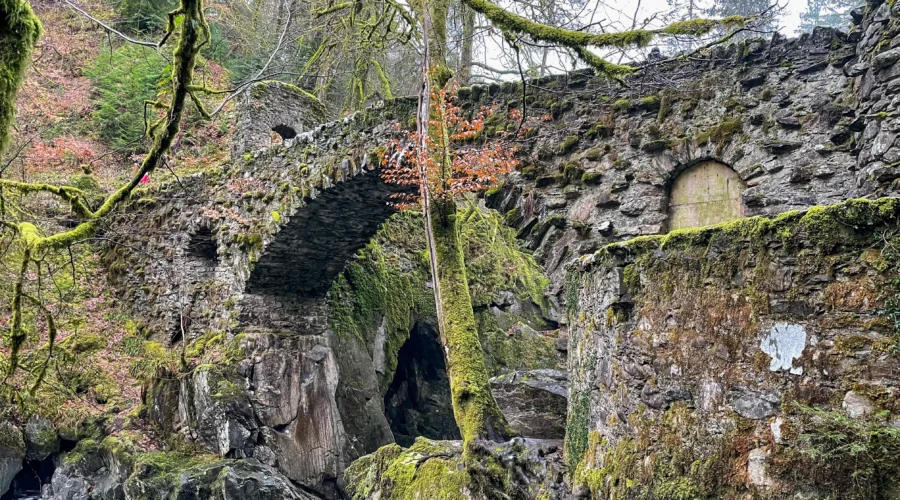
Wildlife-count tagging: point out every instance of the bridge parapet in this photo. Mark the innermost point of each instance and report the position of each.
(273, 111)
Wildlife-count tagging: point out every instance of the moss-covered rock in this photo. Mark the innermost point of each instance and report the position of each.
(41, 439)
(117, 467)
(12, 452)
(436, 470)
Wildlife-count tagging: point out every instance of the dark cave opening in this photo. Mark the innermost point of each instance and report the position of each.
(417, 403)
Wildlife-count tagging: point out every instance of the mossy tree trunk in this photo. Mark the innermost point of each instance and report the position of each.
(19, 31)
(474, 407)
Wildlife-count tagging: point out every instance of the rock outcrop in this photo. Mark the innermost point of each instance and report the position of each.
(523, 469)
(12, 453)
(308, 390)
(534, 402)
(117, 470)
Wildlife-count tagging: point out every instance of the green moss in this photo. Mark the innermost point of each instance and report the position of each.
(512, 216)
(373, 286)
(593, 154)
(622, 105)
(693, 27)
(853, 222)
(665, 107)
(833, 448)
(567, 145)
(428, 469)
(513, 348)
(19, 32)
(599, 130)
(84, 448)
(474, 408)
(578, 41)
(577, 428)
(650, 102)
(591, 177)
(720, 134)
(572, 171)
(388, 280)
(684, 464)
(632, 276)
(615, 478)
(249, 241)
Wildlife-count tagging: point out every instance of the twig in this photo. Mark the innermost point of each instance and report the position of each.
(110, 29)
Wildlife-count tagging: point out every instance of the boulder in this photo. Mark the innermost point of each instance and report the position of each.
(117, 470)
(524, 469)
(886, 59)
(41, 440)
(755, 407)
(534, 402)
(856, 405)
(92, 471)
(12, 452)
(756, 468)
(220, 480)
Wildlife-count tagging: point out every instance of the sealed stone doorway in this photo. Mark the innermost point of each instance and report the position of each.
(417, 403)
(705, 194)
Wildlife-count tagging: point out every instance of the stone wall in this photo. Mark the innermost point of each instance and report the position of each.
(777, 112)
(717, 361)
(876, 83)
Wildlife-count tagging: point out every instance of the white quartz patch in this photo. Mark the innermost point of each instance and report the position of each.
(784, 343)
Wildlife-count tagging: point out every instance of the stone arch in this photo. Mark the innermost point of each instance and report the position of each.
(705, 193)
(284, 131)
(268, 108)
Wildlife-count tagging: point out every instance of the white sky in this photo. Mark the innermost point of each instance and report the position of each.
(619, 14)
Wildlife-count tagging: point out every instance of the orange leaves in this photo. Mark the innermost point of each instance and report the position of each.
(446, 170)
(240, 185)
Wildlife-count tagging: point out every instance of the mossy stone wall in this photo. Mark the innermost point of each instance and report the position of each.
(714, 362)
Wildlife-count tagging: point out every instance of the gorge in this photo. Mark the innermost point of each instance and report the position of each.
(687, 289)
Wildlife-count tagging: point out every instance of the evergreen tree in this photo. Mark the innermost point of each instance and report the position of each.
(832, 13)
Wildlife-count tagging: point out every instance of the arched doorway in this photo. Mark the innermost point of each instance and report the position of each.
(705, 194)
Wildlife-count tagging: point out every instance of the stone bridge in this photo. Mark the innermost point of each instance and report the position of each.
(755, 128)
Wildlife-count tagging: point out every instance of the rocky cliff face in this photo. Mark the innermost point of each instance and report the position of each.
(307, 394)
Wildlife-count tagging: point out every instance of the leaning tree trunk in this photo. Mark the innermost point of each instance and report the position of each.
(474, 407)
